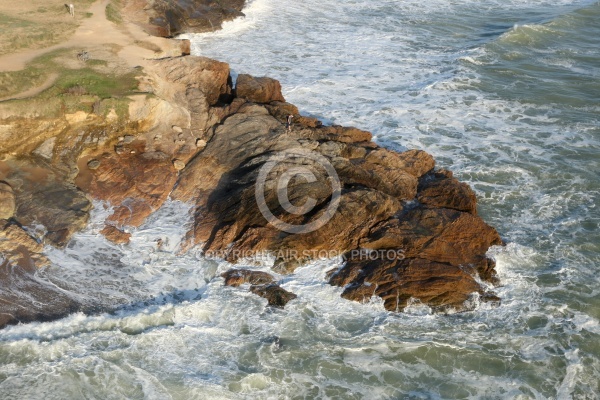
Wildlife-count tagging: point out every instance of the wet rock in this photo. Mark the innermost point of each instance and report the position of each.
(24, 295)
(44, 197)
(441, 190)
(398, 282)
(115, 235)
(18, 248)
(436, 234)
(134, 184)
(237, 277)
(275, 294)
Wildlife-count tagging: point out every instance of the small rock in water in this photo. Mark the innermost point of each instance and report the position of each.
(93, 164)
(275, 294)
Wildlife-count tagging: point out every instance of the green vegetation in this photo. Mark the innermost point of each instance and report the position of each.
(19, 33)
(113, 12)
(73, 89)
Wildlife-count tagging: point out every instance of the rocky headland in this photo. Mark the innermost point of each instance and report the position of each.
(136, 130)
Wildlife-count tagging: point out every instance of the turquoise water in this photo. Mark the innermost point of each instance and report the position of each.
(504, 93)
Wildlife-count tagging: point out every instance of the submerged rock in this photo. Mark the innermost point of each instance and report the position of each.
(237, 277)
(262, 284)
(276, 295)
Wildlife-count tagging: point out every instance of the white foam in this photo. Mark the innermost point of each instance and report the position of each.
(414, 73)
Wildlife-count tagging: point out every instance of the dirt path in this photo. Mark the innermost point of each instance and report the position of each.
(33, 91)
(98, 31)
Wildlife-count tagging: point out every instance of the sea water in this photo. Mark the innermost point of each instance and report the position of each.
(504, 93)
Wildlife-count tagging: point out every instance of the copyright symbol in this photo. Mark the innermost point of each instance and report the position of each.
(305, 163)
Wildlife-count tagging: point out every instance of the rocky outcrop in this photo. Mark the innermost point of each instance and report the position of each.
(383, 201)
(171, 18)
(400, 281)
(441, 189)
(258, 90)
(340, 193)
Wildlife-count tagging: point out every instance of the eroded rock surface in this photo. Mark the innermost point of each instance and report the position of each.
(384, 201)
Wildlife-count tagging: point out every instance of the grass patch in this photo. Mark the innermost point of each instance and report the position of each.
(96, 63)
(94, 83)
(113, 12)
(24, 31)
(74, 89)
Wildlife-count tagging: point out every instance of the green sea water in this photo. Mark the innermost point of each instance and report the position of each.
(504, 93)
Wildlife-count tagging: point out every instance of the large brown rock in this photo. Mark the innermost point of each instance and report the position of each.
(193, 83)
(400, 282)
(383, 201)
(442, 190)
(258, 90)
(228, 217)
(435, 234)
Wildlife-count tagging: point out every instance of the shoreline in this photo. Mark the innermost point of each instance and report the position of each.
(135, 131)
